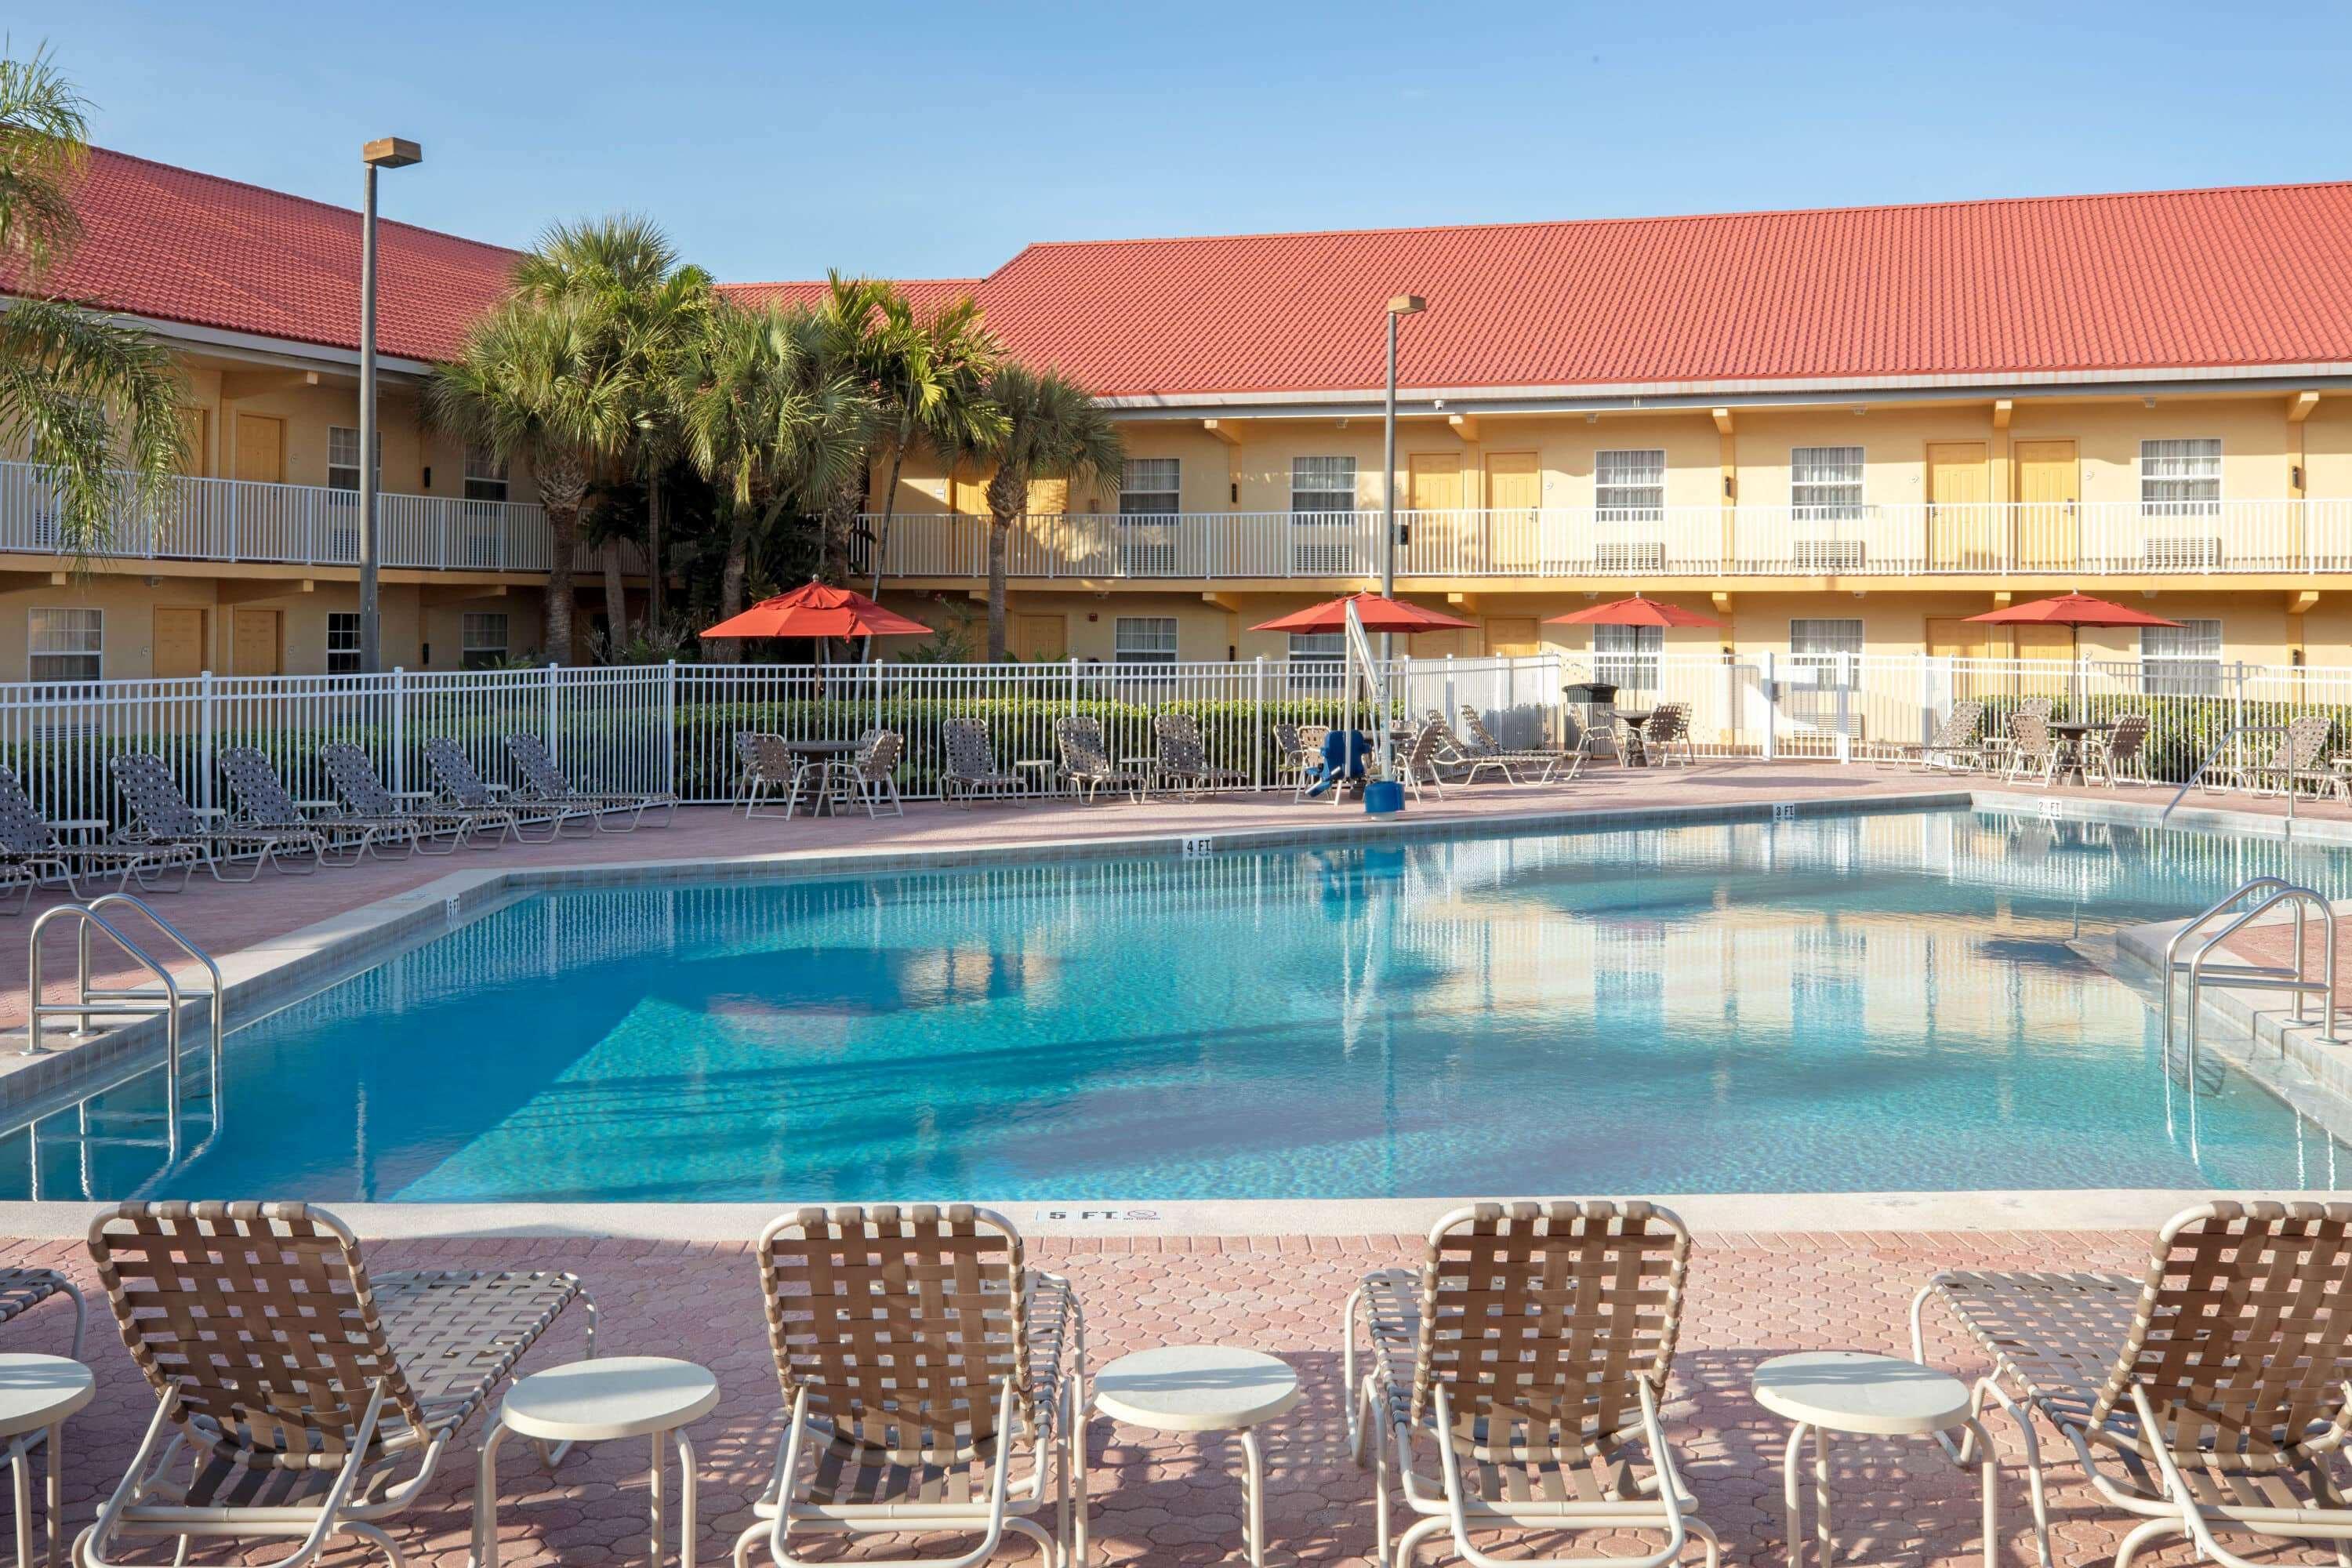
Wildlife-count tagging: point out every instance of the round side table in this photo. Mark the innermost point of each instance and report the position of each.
(37, 1393)
(600, 1402)
(1865, 1395)
(1203, 1388)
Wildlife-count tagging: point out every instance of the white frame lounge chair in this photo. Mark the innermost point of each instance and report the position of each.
(544, 784)
(299, 1399)
(971, 768)
(353, 773)
(263, 800)
(1953, 746)
(932, 1385)
(1481, 750)
(31, 854)
(457, 785)
(22, 1290)
(2234, 1344)
(161, 814)
(1530, 1351)
(1183, 765)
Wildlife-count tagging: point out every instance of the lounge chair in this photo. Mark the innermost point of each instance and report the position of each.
(1087, 767)
(31, 852)
(544, 784)
(353, 774)
(1526, 1358)
(869, 775)
(298, 1398)
(2032, 746)
(1184, 764)
(972, 769)
(2121, 756)
(2293, 763)
(932, 1385)
(263, 802)
(22, 1290)
(1954, 744)
(1482, 751)
(161, 814)
(2208, 1395)
(461, 786)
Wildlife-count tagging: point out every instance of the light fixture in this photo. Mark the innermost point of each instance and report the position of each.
(1593, 418)
(2147, 403)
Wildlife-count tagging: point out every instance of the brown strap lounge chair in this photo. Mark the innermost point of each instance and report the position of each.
(1481, 750)
(932, 1384)
(353, 774)
(262, 801)
(1184, 764)
(2210, 1395)
(299, 1397)
(161, 814)
(1513, 1378)
(1954, 744)
(544, 784)
(22, 1290)
(461, 787)
(32, 854)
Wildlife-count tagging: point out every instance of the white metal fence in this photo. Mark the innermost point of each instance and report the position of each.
(672, 727)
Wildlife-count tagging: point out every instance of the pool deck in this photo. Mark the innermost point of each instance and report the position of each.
(1162, 1500)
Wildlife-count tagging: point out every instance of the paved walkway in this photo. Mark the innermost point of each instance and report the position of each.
(1166, 1501)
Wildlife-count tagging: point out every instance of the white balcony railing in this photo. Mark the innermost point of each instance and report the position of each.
(303, 525)
(2094, 540)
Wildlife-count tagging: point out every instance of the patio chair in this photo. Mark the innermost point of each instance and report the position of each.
(31, 853)
(353, 773)
(1183, 762)
(1954, 744)
(161, 814)
(1997, 745)
(22, 1290)
(2032, 746)
(1087, 767)
(262, 801)
(1669, 728)
(2122, 754)
(2207, 1396)
(972, 770)
(1482, 751)
(459, 785)
(544, 784)
(776, 768)
(1526, 1358)
(933, 1384)
(298, 1398)
(1294, 758)
(870, 775)
(1423, 760)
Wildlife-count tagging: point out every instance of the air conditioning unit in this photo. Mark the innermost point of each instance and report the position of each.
(1138, 559)
(2181, 554)
(1630, 558)
(1827, 555)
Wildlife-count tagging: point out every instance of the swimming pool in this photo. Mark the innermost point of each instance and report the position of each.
(1861, 1002)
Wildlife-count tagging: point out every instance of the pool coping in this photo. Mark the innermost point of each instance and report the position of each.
(270, 973)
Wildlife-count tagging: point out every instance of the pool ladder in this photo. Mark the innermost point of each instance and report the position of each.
(166, 999)
(2208, 930)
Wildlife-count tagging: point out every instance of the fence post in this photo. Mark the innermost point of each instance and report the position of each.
(399, 758)
(669, 726)
(1845, 669)
(1928, 719)
(1257, 723)
(1771, 692)
(1449, 709)
(205, 727)
(555, 744)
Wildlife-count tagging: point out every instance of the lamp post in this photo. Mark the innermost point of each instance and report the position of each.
(384, 152)
(1401, 306)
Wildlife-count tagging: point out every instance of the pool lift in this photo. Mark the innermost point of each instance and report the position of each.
(167, 998)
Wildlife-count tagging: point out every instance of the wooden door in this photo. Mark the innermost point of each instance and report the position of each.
(261, 448)
(259, 648)
(1514, 498)
(2049, 505)
(1436, 543)
(1038, 639)
(179, 642)
(1961, 535)
(1512, 636)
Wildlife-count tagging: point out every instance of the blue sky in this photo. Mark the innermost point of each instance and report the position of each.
(936, 139)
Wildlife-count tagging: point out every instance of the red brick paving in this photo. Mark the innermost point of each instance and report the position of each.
(1163, 1500)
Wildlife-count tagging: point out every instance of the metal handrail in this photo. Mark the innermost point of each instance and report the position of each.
(2182, 793)
(168, 1005)
(2172, 964)
(2276, 977)
(178, 938)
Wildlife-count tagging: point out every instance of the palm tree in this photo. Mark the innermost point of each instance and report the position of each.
(769, 419)
(538, 381)
(85, 397)
(1051, 429)
(626, 270)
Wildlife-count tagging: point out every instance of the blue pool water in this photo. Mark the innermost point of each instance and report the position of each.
(1863, 1003)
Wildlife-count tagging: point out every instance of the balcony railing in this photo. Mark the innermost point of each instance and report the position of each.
(301, 525)
(2090, 540)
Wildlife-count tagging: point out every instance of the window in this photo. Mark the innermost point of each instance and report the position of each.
(1825, 482)
(1628, 655)
(342, 642)
(1630, 487)
(2180, 479)
(1144, 639)
(65, 644)
(485, 475)
(485, 638)
(343, 457)
(1323, 484)
(1809, 696)
(1147, 487)
(1317, 659)
(1823, 640)
(2181, 661)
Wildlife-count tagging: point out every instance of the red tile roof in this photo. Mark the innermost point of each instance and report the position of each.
(922, 292)
(2239, 278)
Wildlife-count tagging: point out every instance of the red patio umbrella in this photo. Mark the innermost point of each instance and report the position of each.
(1638, 611)
(817, 610)
(2071, 610)
(1372, 612)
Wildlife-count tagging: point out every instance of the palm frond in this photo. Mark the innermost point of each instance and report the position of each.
(44, 139)
(95, 405)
